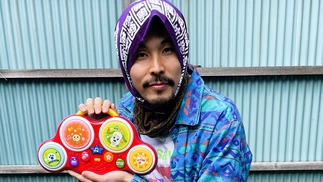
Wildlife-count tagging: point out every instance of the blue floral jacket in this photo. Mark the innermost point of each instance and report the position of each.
(209, 137)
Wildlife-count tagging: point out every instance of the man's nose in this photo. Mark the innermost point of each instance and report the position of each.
(157, 66)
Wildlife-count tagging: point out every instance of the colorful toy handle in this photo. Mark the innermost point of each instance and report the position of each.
(110, 112)
(83, 143)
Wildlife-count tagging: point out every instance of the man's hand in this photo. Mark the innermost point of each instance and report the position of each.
(88, 176)
(96, 108)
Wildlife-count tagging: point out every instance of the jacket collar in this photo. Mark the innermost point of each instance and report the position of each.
(189, 111)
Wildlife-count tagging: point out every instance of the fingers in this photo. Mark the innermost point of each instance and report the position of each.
(78, 176)
(90, 106)
(88, 176)
(92, 176)
(83, 108)
(105, 106)
(110, 176)
(95, 107)
(113, 107)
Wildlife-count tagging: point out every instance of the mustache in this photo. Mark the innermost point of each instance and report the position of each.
(155, 79)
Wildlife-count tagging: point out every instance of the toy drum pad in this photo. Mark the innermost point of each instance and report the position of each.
(84, 144)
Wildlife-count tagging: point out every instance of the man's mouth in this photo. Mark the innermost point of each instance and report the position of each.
(158, 86)
(158, 83)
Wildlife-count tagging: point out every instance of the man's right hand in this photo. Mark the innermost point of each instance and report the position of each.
(88, 176)
(97, 108)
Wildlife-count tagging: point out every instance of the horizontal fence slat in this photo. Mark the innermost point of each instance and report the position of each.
(255, 167)
(287, 166)
(61, 73)
(115, 72)
(22, 169)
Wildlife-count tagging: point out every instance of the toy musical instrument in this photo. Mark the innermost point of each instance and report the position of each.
(82, 144)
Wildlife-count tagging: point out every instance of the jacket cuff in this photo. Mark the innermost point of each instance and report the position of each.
(138, 179)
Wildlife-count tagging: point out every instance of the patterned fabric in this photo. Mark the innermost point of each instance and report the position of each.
(131, 30)
(209, 138)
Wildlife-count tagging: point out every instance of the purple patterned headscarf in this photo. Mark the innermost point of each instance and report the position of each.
(132, 28)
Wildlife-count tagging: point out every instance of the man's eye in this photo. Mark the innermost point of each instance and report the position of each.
(168, 49)
(141, 54)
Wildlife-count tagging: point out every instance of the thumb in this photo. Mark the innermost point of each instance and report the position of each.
(91, 176)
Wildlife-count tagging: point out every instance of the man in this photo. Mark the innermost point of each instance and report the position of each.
(197, 132)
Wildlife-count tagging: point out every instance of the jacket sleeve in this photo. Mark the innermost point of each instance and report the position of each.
(229, 157)
(138, 179)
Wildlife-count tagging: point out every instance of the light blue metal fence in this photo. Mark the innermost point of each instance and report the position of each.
(255, 33)
(281, 113)
(37, 34)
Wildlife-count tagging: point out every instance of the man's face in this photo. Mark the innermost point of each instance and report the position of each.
(156, 71)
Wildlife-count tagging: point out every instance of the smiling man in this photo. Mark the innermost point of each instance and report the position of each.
(199, 129)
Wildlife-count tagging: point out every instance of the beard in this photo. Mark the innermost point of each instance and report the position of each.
(161, 104)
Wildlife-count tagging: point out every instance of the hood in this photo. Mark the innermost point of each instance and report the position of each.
(132, 27)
